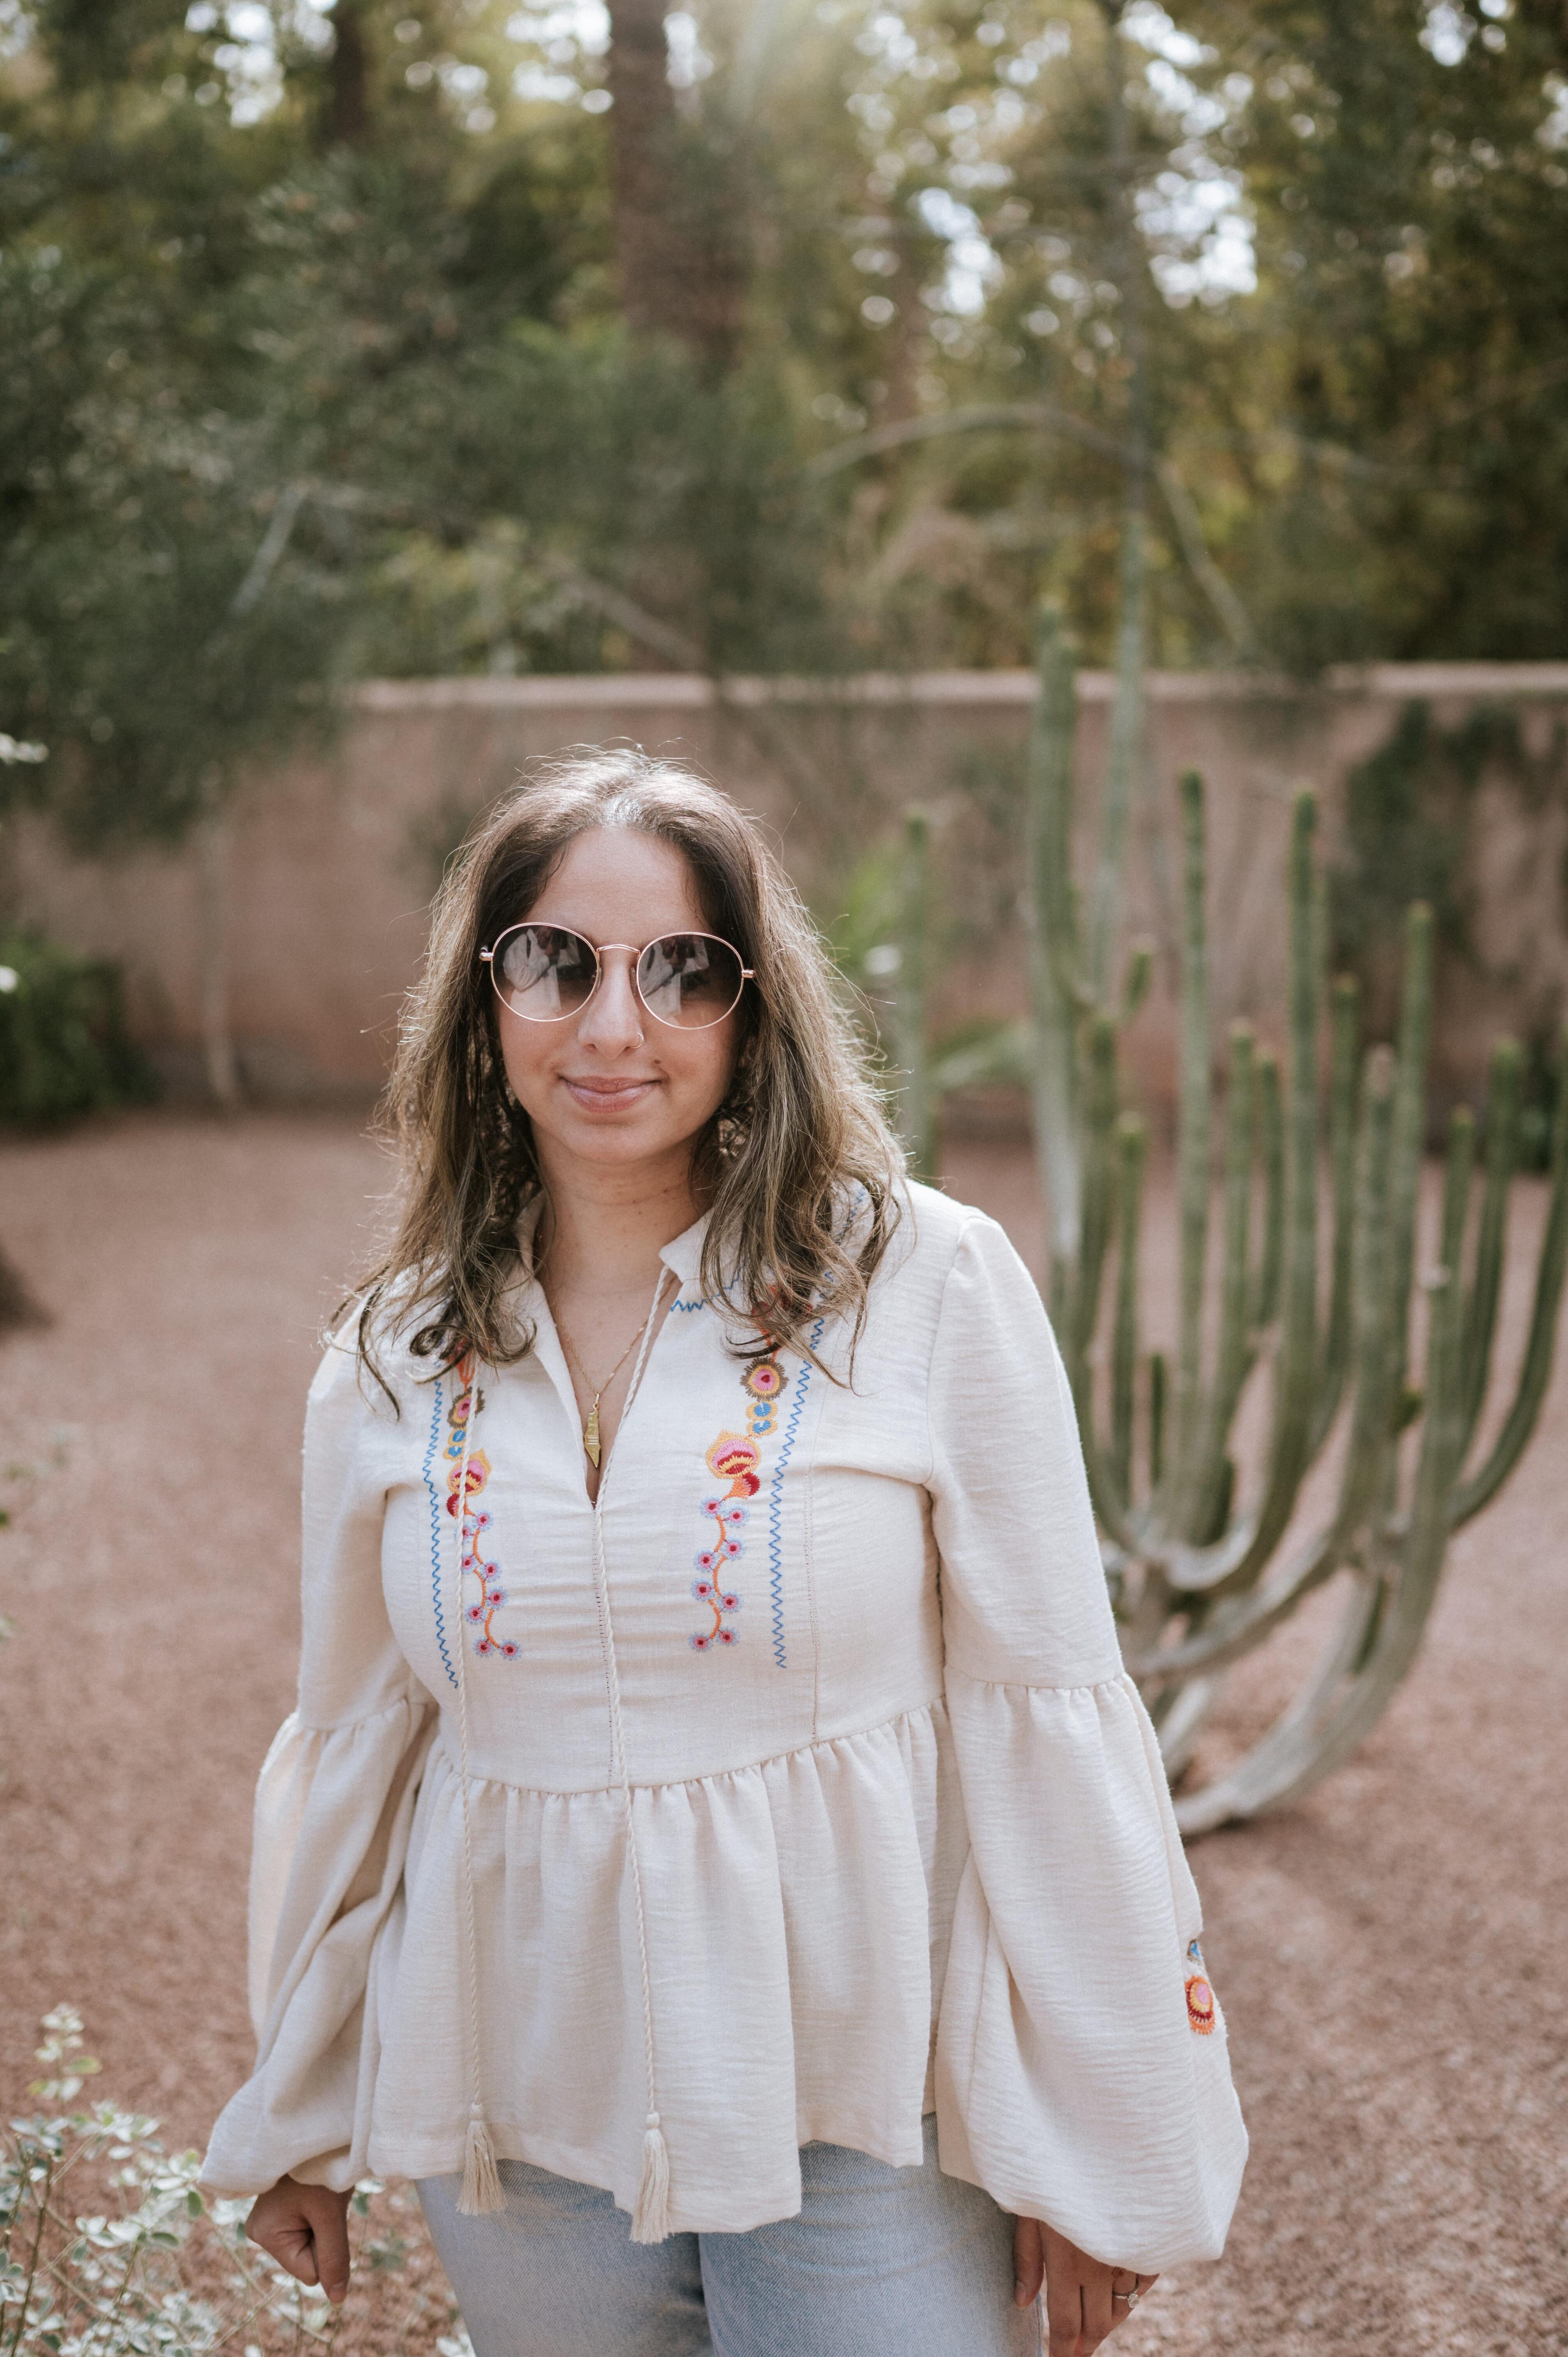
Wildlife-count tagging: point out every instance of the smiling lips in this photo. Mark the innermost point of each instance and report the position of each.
(607, 1095)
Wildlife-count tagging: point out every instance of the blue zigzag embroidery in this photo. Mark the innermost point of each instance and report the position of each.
(775, 1502)
(436, 1531)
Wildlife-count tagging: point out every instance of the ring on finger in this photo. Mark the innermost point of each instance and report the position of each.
(1132, 2298)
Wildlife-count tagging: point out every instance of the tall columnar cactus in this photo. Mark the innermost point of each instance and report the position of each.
(1206, 1562)
(910, 1058)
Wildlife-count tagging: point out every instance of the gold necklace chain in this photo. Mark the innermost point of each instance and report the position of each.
(591, 1428)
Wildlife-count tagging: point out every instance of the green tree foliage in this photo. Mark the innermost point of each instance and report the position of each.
(481, 336)
(1409, 175)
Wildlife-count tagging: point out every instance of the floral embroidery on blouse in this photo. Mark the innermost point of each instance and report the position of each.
(765, 1380)
(1200, 2005)
(480, 1614)
(734, 1457)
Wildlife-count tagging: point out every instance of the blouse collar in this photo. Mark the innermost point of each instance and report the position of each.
(682, 1255)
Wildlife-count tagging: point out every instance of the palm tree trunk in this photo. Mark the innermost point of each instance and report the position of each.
(349, 107)
(678, 222)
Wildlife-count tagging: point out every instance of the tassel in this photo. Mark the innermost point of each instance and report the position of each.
(650, 2218)
(481, 2191)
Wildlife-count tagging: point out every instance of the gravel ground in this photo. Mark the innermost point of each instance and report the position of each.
(1389, 1951)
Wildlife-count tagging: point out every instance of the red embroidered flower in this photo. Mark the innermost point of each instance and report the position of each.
(734, 1457)
(478, 1474)
(765, 1381)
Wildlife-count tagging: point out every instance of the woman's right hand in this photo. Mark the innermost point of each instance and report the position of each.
(306, 2228)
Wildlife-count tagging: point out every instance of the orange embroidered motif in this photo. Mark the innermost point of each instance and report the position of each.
(1200, 2005)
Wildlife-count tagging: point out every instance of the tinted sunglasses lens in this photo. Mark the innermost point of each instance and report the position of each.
(689, 980)
(543, 973)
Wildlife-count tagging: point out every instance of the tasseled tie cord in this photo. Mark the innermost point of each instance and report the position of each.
(481, 2188)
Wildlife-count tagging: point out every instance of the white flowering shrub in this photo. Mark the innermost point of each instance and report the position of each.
(109, 2249)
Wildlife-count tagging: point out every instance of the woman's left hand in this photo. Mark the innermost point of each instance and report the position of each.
(1084, 2298)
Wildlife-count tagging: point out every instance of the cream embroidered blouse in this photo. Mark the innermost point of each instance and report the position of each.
(904, 1836)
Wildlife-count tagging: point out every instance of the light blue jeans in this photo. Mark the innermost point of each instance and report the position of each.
(880, 2262)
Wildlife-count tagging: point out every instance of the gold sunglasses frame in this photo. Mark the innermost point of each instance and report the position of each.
(690, 933)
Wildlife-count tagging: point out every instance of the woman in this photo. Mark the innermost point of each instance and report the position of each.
(714, 1792)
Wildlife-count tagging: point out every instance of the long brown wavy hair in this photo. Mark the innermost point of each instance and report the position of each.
(798, 1166)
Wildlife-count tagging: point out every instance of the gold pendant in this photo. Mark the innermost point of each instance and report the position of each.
(591, 1436)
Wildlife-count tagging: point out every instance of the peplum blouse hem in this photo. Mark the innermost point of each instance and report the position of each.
(798, 1916)
(902, 1833)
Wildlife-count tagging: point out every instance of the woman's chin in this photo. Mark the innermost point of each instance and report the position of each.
(640, 1133)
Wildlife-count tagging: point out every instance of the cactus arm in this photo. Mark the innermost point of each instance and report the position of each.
(1536, 1372)
(1099, 1117)
(1410, 1115)
(909, 1004)
(1296, 1366)
(1131, 1156)
(1052, 950)
(1193, 1129)
(1159, 1388)
(1457, 1169)
(1371, 1440)
(1266, 1292)
(1491, 1236)
(1427, 1539)
(1284, 1762)
(1125, 755)
(1241, 1623)
(1135, 982)
(1180, 1726)
(1109, 1503)
(1384, 1627)
(1335, 1362)
(1204, 1508)
(1001, 1057)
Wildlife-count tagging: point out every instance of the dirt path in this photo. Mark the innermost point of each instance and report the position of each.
(1390, 1952)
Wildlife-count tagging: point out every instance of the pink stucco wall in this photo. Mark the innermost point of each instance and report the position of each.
(332, 862)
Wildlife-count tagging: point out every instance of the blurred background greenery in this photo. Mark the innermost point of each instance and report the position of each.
(430, 336)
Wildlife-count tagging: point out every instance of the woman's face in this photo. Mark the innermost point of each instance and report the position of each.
(610, 1085)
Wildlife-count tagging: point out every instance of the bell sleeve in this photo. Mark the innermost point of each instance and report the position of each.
(334, 1806)
(1082, 2075)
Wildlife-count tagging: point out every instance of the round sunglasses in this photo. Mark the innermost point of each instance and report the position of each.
(546, 974)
